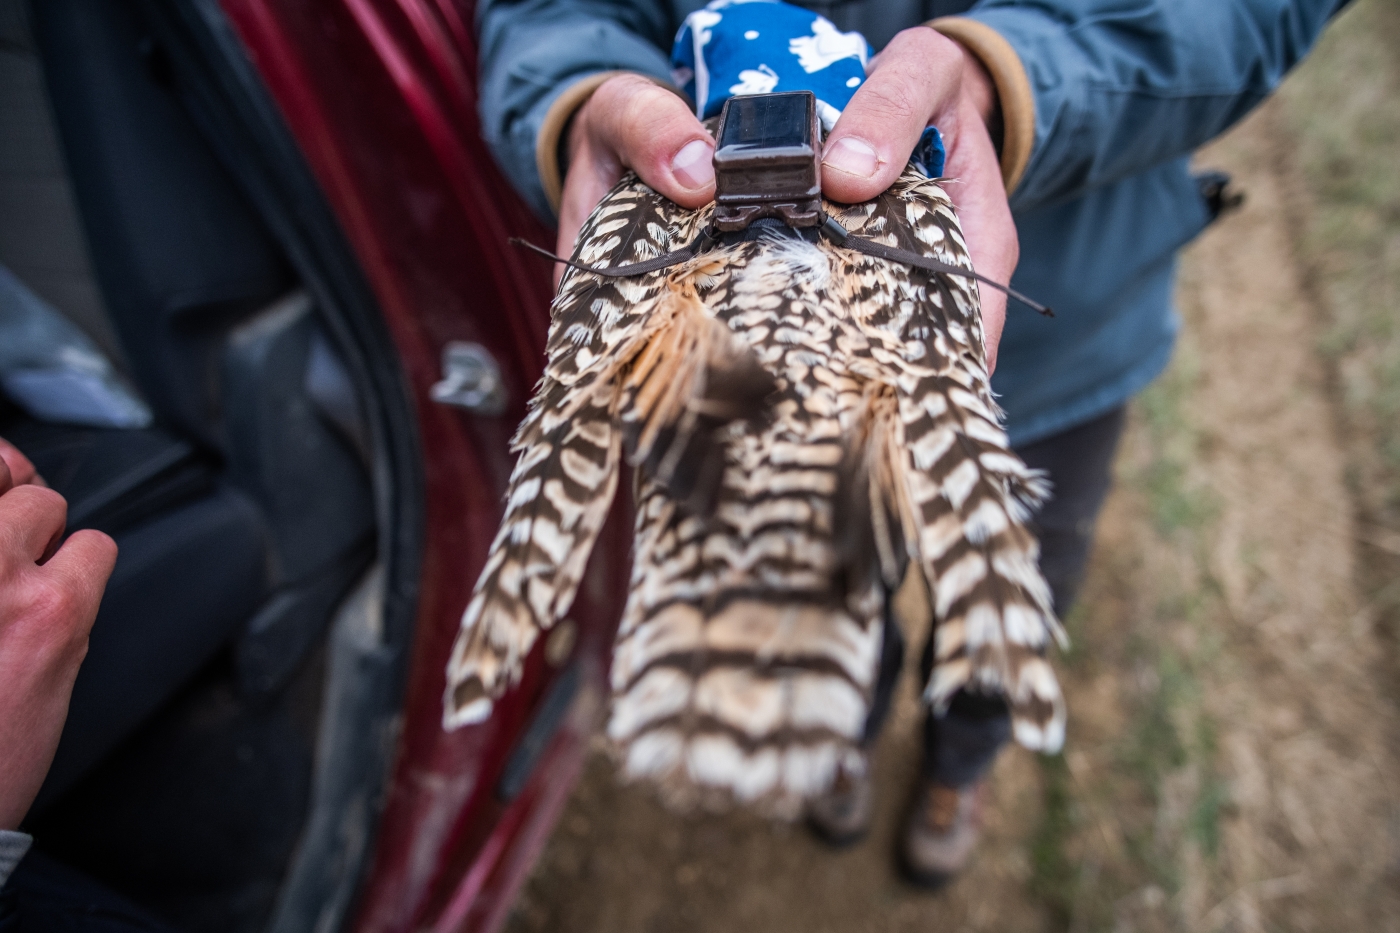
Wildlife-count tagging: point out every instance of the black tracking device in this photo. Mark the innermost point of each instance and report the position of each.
(768, 161)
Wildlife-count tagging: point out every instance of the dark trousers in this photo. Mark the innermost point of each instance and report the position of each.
(961, 745)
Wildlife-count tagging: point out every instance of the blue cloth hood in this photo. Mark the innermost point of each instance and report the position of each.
(734, 47)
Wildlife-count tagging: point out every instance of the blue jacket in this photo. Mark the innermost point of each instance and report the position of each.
(1123, 91)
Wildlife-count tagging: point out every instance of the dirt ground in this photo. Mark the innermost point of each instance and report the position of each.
(1231, 761)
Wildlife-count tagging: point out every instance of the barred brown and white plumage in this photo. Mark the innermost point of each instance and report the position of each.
(805, 418)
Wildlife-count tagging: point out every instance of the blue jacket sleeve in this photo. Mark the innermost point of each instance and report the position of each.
(1123, 85)
(533, 50)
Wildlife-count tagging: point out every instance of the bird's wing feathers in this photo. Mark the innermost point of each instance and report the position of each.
(966, 493)
(628, 359)
(558, 498)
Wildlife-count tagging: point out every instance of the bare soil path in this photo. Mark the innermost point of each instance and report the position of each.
(1231, 762)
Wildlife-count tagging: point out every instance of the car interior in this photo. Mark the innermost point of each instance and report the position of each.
(187, 775)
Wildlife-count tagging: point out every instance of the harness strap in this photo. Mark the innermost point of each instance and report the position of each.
(674, 258)
(833, 230)
(842, 237)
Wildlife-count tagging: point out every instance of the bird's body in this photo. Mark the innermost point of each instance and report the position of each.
(805, 419)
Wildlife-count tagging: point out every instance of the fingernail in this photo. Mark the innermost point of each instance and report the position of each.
(852, 156)
(694, 166)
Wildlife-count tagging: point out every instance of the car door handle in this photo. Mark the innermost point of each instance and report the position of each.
(471, 379)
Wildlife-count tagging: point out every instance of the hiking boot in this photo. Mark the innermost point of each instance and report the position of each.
(842, 815)
(941, 833)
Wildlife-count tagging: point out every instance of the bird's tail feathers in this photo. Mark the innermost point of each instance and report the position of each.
(755, 704)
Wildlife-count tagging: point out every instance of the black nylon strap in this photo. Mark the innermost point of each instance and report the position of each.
(833, 230)
(841, 237)
(654, 264)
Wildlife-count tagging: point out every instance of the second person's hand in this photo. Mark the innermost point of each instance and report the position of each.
(48, 600)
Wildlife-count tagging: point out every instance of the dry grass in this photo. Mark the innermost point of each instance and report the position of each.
(1345, 123)
(1235, 758)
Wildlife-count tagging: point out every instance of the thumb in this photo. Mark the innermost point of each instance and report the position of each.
(913, 79)
(653, 132)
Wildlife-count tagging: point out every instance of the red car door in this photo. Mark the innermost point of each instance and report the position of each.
(380, 98)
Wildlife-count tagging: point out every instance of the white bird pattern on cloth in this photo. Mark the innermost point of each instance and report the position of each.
(761, 80)
(827, 45)
(804, 419)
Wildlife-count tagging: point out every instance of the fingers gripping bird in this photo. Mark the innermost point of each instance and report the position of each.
(805, 420)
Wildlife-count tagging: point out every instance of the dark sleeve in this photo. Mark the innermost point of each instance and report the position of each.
(1122, 85)
(13, 846)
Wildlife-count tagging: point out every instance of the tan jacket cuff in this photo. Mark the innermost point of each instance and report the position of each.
(1013, 90)
(556, 119)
